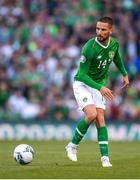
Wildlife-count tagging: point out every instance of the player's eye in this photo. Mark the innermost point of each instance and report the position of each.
(103, 29)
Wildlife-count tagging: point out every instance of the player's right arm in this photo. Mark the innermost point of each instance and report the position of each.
(83, 70)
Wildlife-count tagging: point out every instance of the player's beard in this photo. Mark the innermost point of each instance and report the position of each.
(102, 39)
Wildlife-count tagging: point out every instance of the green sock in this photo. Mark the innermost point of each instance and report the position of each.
(103, 140)
(80, 131)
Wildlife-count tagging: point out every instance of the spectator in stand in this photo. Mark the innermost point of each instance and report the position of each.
(40, 46)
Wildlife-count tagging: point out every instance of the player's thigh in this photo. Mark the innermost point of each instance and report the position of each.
(82, 95)
(99, 100)
(100, 120)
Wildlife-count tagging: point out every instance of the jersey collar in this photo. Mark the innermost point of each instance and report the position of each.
(102, 44)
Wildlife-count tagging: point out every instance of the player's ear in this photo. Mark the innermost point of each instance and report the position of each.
(111, 30)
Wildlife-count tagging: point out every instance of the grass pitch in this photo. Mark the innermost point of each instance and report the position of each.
(50, 161)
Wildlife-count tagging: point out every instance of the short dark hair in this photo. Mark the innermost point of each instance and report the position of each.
(106, 19)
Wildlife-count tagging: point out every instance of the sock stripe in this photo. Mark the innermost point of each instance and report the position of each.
(79, 132)
(103, 142)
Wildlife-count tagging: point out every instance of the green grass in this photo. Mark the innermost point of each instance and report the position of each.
(51, 162)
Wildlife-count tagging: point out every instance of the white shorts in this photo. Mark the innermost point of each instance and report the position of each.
(86, 95)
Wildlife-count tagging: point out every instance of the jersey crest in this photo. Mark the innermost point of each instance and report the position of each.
(111, 54)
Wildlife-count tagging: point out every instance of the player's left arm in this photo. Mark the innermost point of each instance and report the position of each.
(120, 65)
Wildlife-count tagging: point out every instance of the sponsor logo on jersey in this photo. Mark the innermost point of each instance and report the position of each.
(111, 54)
(83, 59)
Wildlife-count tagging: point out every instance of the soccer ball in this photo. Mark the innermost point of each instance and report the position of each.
(23, 154)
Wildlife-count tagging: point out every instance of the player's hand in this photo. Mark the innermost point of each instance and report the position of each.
(125, 82)
(106, 93)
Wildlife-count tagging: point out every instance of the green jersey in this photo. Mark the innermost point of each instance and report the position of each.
(95, 61)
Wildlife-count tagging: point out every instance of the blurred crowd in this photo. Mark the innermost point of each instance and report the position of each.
(40, 44)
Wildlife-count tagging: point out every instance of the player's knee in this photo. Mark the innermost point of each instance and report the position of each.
(91, 116)
(100, 122)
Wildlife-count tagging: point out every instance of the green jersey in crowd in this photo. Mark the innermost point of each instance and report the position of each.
(95, 61)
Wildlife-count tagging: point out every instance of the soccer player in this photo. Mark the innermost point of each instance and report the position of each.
(90, 88)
